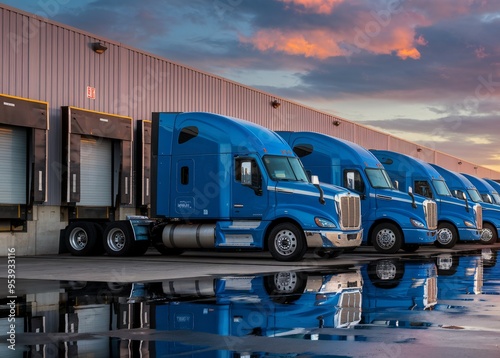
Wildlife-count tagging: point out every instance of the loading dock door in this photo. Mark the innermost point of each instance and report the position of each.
(13, 158)
(96, 172)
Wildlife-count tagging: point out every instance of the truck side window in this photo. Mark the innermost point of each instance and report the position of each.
(423, 188)
(354, 181)
(184, 175)
(187, 133)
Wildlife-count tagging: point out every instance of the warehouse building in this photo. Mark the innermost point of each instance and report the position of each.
(75, 126)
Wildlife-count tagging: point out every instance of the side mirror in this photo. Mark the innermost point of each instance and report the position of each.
(396, 184)
(410, 193)
(315, 182)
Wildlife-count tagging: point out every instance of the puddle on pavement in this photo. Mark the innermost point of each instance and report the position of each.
(287, 314)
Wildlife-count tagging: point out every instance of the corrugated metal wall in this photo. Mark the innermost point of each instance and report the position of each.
(46, 61)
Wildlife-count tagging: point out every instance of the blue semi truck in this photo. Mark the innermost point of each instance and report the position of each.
(488, 193)
(396, 292)
(456, 221)
(462, 188)
(496, 187)
(224, 183)
(282, 305)
(391, 219)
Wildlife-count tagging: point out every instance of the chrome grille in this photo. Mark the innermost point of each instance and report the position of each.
(430, 292)
(350, 212)
(479, 216)
(431, 216)
(350, 309)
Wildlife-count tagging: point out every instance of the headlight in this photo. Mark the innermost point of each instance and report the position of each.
(323, 222)
(469, 224)
(417, 223)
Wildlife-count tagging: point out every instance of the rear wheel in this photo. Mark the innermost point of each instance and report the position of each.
(119, 239)
(387, 238)
(489, 235)
(446, 236)
(81, 238)
(286, 242)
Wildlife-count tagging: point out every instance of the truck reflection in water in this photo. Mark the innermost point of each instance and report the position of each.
(338, 310)
(395, 291)
(147, 316)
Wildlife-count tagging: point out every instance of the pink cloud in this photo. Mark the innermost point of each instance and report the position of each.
(394, 36)
(383, 30)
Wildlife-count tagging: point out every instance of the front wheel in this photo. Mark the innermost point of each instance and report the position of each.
(387, 238)
(119, 239)
(285, 287)
(446, 236)
(489, 235)
(286, 242)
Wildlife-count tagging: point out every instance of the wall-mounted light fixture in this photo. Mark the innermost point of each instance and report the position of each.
(275, 104)
(336, 123)
(99, 48)
(419, 149)
(459, 163)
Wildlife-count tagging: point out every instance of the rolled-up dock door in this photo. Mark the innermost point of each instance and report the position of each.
(13, 157)
(96, 172)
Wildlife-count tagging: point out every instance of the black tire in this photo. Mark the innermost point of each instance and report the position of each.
(329, 253)
(81, 238)
(411, 247)
(489, 235)
(447, 264)
(386, 273)
(387, 238)
(167, 251)
(140, 248)
(285, 287)
(286, 242)
(447, 236)
(119, 239)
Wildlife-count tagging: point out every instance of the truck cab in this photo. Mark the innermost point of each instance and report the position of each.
(463, 189)
(488, 193)
(456, 220)
(391, 219)
(225, 183)
(496, 187)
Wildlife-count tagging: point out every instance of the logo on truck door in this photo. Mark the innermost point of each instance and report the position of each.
(184, 205)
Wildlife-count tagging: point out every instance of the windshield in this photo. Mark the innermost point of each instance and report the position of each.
(487, 198)
(441, 187)
(285, 168)
(379, 179)
(496, 197)
(474, 195)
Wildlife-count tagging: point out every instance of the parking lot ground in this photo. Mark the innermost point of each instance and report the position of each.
(153, 266)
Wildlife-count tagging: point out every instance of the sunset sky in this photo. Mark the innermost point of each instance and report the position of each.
(424, 70)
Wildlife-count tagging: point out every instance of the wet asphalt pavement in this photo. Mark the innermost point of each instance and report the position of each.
(431, 303)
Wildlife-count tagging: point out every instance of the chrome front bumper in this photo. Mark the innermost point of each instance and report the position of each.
(333, 239)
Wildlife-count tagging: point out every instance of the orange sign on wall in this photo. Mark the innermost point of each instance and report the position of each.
(90, 92)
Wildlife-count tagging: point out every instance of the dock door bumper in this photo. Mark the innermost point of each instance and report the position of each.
(335, 239)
